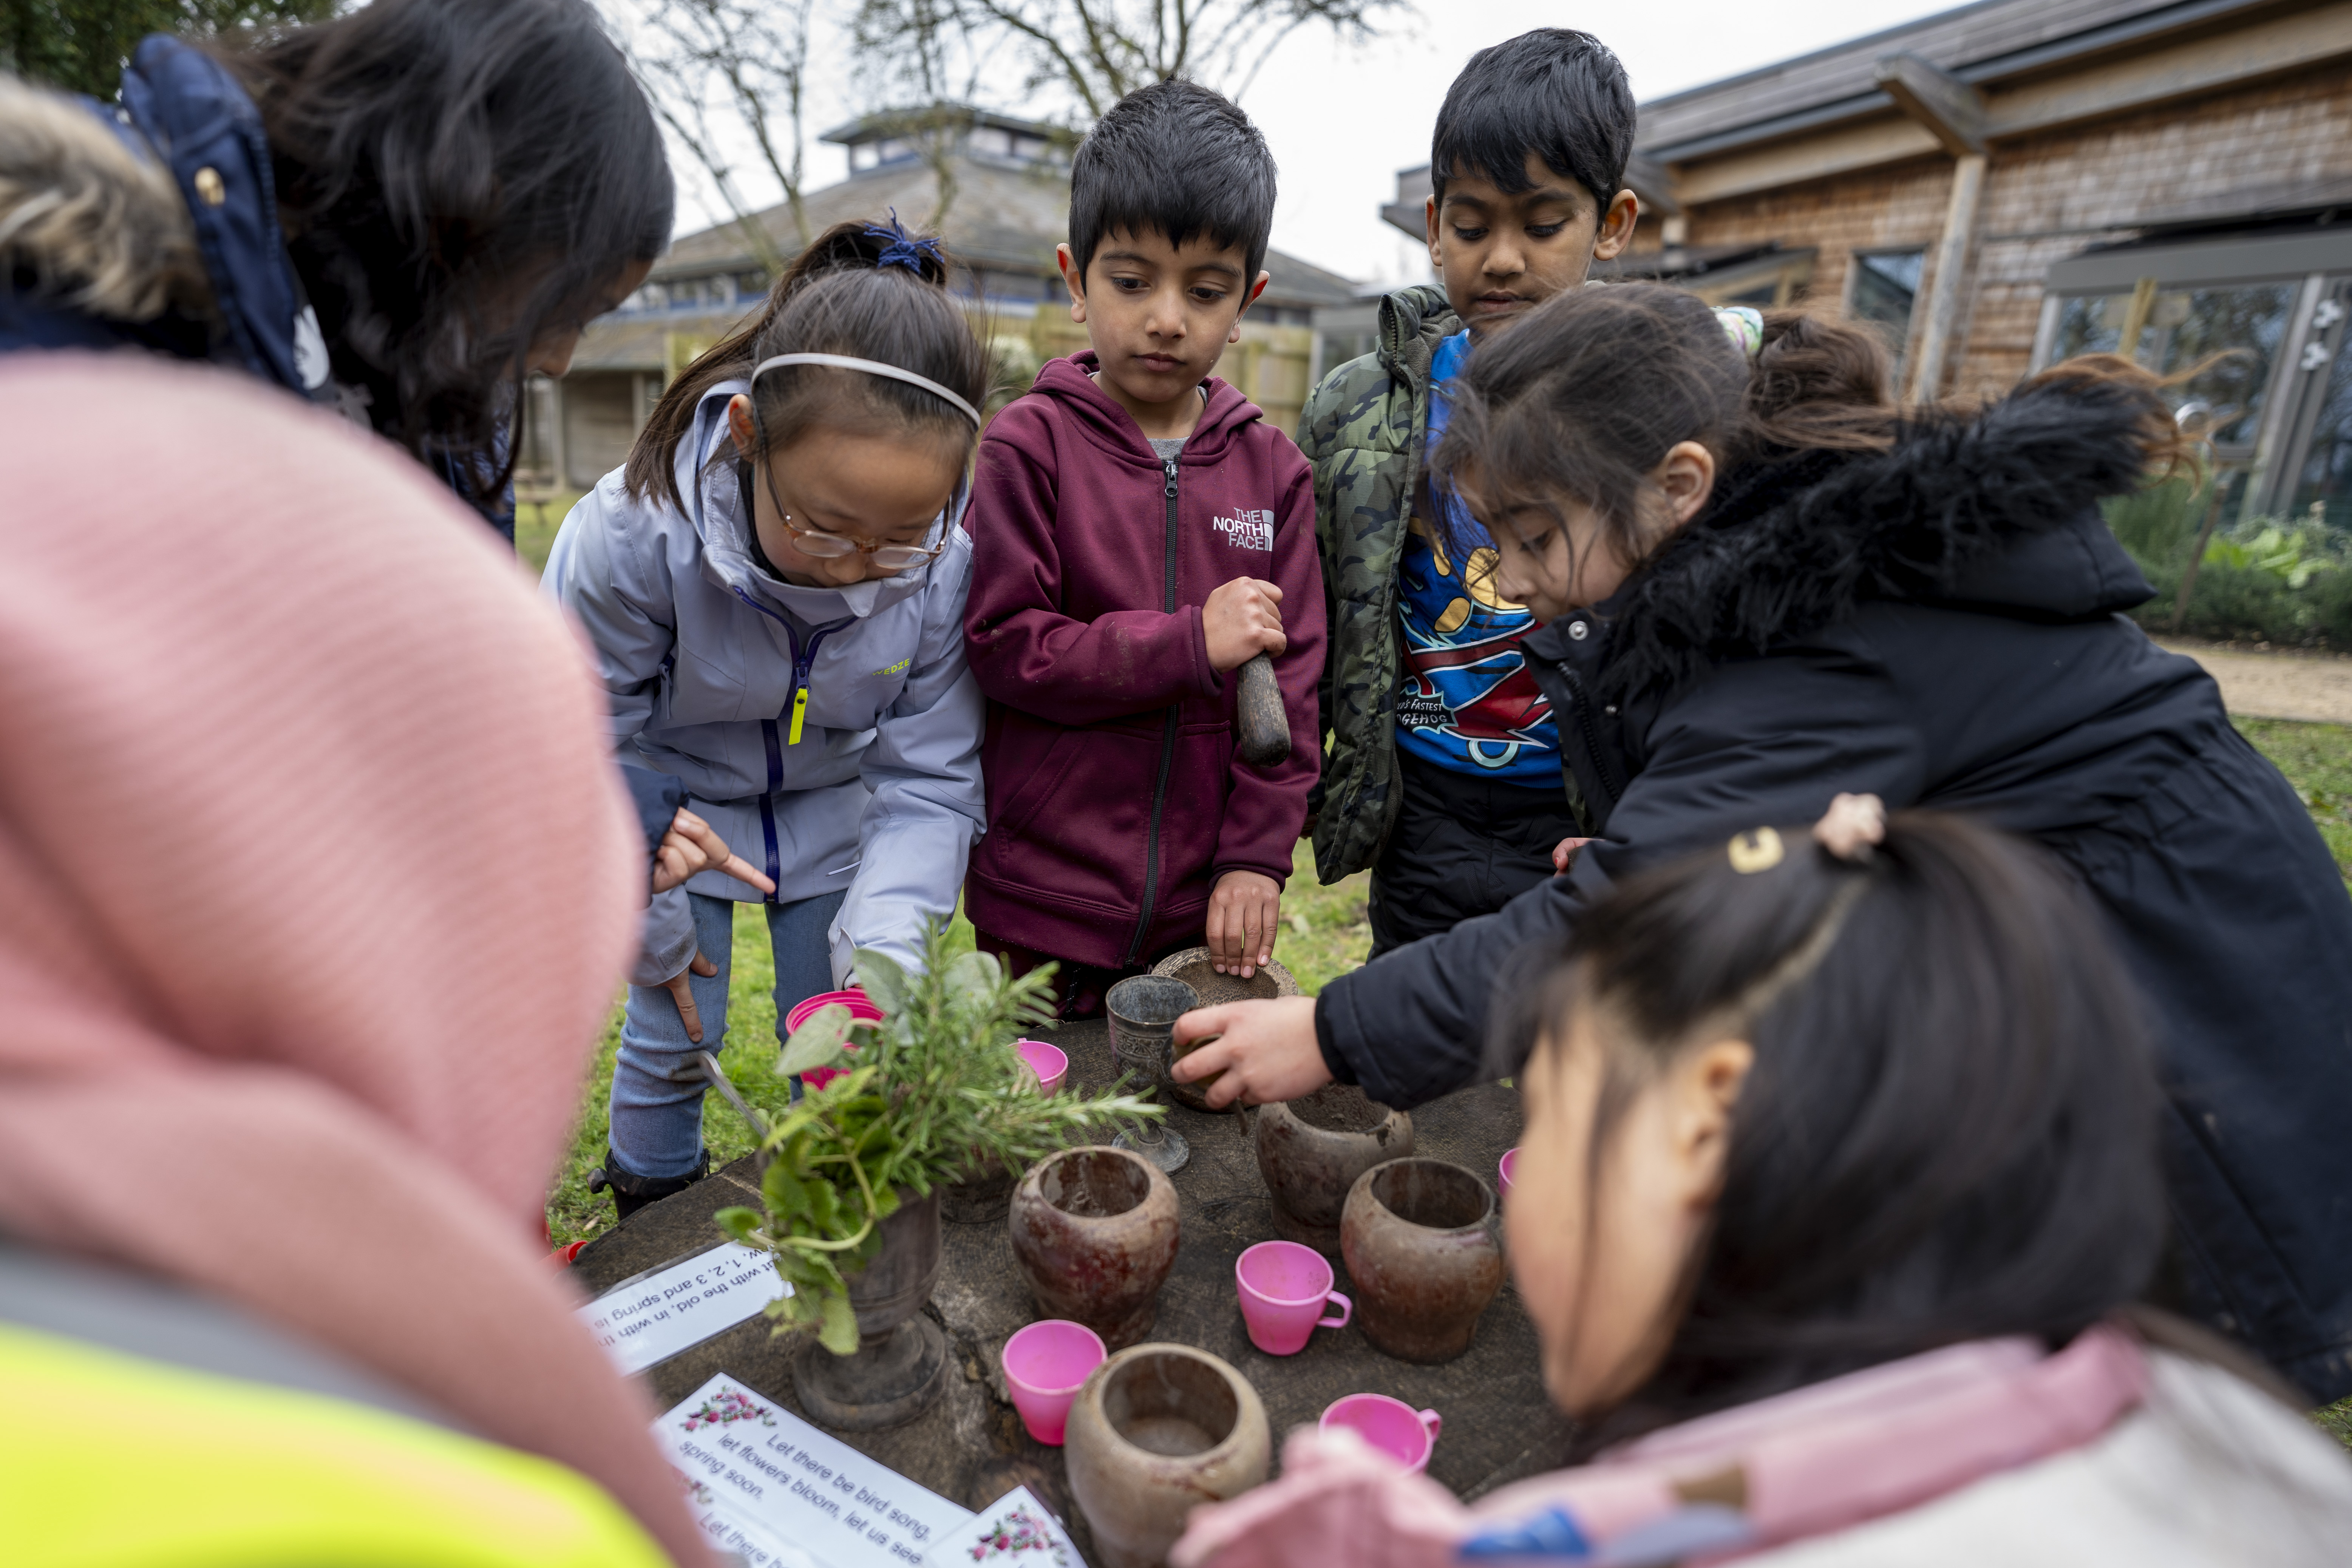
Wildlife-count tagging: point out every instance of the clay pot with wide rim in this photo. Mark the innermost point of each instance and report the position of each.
(1157, 1429)
(899, 1367)
(1424, 1251)
(1095, 1231)
(1311, 1150)
(1194, 967)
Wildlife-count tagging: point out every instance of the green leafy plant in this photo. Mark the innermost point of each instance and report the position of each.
(933, 1093)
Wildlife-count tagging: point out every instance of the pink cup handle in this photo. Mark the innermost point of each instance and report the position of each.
(1435, 1422)
(1347, 1311)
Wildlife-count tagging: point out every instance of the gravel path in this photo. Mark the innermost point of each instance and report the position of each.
(2276, 683)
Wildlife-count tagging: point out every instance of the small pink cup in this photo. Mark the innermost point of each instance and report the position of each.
(1284, 1288)
(1503, 1171)
(860, 1008)
(1046, 1364)
(1405, 1435)
(1050, 1063)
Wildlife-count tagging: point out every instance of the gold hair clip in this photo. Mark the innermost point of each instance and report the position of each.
(1756, 851)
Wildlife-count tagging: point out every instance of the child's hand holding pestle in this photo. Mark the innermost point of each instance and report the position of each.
(1242, 620)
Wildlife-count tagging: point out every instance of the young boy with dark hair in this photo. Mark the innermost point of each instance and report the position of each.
(1139, 532)
(1445, 770)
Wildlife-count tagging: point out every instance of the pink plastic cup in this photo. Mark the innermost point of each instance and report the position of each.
(1050, 1063)
(1405, 1435)
(860, 1008)
(1283, 1289)
(1046, 1364)
(1503, 1171)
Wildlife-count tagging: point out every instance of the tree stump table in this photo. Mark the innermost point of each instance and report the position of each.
(971, 1445)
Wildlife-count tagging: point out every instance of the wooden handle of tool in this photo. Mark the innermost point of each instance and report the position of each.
(1265, 724)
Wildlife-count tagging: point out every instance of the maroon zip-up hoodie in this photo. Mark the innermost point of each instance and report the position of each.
(1115, 798)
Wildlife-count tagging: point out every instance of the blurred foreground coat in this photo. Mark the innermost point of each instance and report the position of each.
(1942, 626)
(315, 885)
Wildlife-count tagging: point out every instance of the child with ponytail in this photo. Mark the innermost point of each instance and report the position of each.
(1838, 1184)
(1761, 584)
(775, 585)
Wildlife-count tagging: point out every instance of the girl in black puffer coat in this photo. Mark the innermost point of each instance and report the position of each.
(1764, 587)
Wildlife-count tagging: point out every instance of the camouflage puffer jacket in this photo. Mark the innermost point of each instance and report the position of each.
(1363, 431)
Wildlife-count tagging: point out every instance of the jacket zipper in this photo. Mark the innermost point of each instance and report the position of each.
(795, 705)
(1167, 736)
(1590, 730)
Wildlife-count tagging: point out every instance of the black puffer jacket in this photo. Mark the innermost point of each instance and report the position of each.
(1939, 626)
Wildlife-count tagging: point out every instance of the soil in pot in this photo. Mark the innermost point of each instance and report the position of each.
(1157, 1429)
(1420, 1240)
(1311, 1150)
(1095, 1231)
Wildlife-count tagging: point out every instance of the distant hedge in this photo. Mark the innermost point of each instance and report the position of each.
(2262, 581)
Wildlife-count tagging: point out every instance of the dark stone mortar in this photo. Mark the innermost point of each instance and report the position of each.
(971, 1445)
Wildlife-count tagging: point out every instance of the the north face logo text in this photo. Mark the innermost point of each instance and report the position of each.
(1249, 531)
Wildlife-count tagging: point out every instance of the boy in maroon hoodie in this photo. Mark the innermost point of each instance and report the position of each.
(1138, 531)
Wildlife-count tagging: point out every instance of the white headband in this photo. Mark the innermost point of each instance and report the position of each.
(871, 367)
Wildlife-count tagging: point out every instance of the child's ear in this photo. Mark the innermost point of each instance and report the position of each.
(1616, 230)
(1706, 1085)
(1072, 279)
(1256, 288)
(739, 425)
(1430, 214)
(1686, 479)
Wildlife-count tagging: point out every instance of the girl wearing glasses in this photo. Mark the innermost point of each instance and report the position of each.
(774, 583)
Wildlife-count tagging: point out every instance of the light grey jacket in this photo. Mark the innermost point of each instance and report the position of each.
(702, 652)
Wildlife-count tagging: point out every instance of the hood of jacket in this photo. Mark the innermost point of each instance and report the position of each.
(1995, 511)
(1099, 417)
(1414, 322)
(709, 474)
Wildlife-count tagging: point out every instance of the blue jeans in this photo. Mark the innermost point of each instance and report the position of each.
(656, 1128)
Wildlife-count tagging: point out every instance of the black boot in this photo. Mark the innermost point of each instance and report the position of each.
(632, 1192)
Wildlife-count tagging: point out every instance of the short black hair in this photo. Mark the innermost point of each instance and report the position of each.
(1178, 159)
(1556, 92)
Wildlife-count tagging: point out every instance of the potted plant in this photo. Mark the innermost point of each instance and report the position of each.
(850, 1190)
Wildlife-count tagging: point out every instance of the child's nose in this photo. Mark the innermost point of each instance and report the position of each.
(1167, 319)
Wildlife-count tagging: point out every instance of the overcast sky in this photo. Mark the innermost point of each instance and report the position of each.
(1342, 120)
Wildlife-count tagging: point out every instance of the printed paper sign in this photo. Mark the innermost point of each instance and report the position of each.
(653, 1316)
(798, 1495)
(1016, 1531)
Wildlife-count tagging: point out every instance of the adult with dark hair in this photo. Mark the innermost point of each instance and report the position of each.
(1761, 584)
(1838, 1184)
(276, 1130)
(400, 213)
(1139, 535)
(1444, 772)
(774, 583)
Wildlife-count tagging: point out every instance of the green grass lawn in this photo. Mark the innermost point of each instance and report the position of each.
(535, 528)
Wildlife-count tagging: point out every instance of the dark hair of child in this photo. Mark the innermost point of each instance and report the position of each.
(1950, 1131)
(1175, 159)
(840, 298)
(1585, 394)
(459, 178)
(1556, 92)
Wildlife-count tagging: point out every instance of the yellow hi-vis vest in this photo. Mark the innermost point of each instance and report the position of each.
(107, 1460)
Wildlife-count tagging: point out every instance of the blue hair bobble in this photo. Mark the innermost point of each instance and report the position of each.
(904, 249)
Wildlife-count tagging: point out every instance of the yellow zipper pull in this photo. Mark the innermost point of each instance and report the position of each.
(800, 711)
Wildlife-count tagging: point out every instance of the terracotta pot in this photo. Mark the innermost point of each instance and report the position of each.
(900, 1364)
(1310, 1151)
(1422, 1249)
(1095, 1231)
(1156, 1430)
(1194, 967)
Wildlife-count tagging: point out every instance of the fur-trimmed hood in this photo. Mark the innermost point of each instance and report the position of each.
(1996, 509)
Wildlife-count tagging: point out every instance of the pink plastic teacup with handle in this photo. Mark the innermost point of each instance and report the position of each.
(1405, 1435)
(1046, 1364)
(1503, 1171)
(1050, 1063)
(1283, 1289)
(860, 1008)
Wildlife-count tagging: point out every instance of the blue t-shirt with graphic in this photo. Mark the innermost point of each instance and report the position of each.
(1468, 701)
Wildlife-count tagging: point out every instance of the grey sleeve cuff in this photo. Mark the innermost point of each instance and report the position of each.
(666, 944)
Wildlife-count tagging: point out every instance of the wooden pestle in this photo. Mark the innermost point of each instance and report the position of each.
(1264, 723)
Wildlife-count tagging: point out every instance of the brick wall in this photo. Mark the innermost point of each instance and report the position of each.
(2052, 197)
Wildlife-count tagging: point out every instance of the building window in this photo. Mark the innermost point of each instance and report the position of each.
(2234, 331)
(1883, 290)
(2322, 489)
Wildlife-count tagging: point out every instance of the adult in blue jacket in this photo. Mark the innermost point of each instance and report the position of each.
(400, 213)
(1932, 615)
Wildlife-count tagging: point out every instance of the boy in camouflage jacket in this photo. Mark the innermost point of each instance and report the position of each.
(1466, 808)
